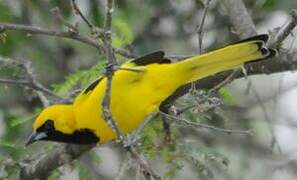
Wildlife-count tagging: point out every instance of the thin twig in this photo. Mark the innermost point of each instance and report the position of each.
(284, 32)
(200, 34)
(77, 11)
(123, 167)
(138, 172)
(31, 78)
(181, 111)
(16, 82)
(42, 31)
(30, 82)
(47, 32)
(57, 13)
(109, 70)
(94, 29)
(135, 136)
(166, 125)
(205, 126)
(98, 32)
(201, 25)
(226, 81)
(267, 117)
(145, 167)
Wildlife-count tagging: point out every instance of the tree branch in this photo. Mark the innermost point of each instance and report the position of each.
(109, 70)
(49, 162)
(47, 32)
(110, 67)
(69, 35)
(30, 80)
(283, 33)
(201, 25)
(205, 126)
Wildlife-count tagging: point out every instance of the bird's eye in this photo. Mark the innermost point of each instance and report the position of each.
(49, 125)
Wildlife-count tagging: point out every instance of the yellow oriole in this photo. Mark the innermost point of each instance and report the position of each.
(135, 95)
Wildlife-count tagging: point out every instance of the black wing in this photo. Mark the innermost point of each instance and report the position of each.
(92, 85)
(261, 37)
(155, 57)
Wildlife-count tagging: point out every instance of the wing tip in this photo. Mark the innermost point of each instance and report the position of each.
(265, 51)
(261, 38)
(272, 53)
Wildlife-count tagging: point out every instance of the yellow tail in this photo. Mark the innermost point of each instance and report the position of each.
(229, 57)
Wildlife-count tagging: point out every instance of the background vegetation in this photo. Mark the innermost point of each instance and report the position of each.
(258, 105)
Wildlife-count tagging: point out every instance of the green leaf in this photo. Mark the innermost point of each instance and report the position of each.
(174, 168)
(83, 172)
(226, 94)
(202, 168)
(54, 175)
(7, 144)
(207, 154)
(70, 82)
(270, 4)
(95, 156)
(150, 136)
(23, 119)
(123, 34)
(80, 78)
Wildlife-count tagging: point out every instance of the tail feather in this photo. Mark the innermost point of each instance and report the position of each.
(231, 56)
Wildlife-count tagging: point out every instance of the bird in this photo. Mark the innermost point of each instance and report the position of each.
(137, 94)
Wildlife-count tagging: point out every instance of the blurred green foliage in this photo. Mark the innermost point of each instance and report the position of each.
(65, 66)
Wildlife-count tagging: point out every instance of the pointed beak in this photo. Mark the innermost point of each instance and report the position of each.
(35, 136)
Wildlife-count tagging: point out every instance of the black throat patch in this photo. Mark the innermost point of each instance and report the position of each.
(81, 136)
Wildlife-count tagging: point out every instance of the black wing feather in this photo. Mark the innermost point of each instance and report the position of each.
(155, 57)
(92, 85)
(261, 37)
